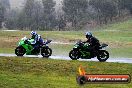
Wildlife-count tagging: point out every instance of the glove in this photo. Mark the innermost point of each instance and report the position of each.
(27, 42)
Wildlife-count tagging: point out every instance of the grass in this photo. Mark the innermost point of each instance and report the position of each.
(120, 52)
(59, 49)
(17, 72)
(119, 26)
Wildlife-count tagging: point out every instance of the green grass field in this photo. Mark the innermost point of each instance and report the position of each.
(17, 72)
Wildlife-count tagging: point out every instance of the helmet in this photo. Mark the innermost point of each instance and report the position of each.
(88, 34)
(33, 33)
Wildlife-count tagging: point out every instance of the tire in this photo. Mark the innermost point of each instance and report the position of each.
(20, 51)
(103, 55)
(81, 80)
(74, 55)
(46, 52)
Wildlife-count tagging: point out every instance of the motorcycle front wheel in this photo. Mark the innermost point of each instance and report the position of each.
(20, 51)
(74, 54)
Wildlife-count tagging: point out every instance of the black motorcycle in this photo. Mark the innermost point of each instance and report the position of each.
(80, 50)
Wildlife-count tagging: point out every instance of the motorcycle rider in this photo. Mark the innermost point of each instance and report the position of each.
(93, 43)
(38, 41)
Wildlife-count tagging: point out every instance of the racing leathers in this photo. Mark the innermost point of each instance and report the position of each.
(38, 42)
(93, 45)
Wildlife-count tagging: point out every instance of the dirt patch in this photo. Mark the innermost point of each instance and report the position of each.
(8, 42)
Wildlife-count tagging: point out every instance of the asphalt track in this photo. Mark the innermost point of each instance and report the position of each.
(116, 60)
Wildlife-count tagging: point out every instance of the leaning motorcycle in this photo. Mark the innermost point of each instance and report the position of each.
(80, 50)
(25, 47)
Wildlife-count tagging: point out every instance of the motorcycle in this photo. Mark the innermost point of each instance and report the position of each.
(80, 50)
(25, 47)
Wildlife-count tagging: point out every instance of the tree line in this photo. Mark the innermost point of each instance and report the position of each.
(36, 15)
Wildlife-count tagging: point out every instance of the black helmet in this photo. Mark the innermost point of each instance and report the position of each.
(88, 34)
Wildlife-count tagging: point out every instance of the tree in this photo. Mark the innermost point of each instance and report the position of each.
(31, 16)
(2, 12)
(75, 11)
(4, 7)
(5, 3)
(11, 19)
(128, 5)
(106, 10)
(61, 22)
(37, 16)
(49, 20)
(28, 10)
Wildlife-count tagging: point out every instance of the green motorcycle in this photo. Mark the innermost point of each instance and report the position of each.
(25, 47)
(80, 50)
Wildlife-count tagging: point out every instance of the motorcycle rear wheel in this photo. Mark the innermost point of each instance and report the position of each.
(46, 52)
(103, 55)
